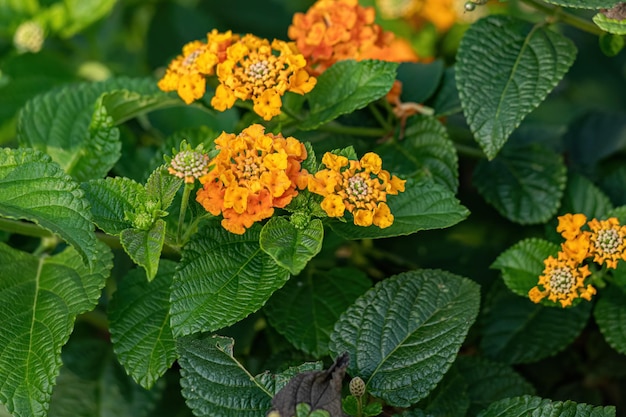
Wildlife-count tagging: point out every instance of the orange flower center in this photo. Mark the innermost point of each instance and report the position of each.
(248, 167)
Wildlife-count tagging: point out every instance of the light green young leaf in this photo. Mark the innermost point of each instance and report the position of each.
(36, 189)
(505, 69)
(162, 187)
(347, 86)
(403, 334)
(524, 183)
(39, 301)
(138, 304)
(425, 149)
(539, 407)
(290, 246)
(317, 298)
(222, 278)
(614, 26)
(144, 246)
(69, 17)
(522, 264)
(111, 199)
(214, 383)
(585, 4)
(123, 105)
(423, 205)
(92, 384)
(517, 331)
(610, 316)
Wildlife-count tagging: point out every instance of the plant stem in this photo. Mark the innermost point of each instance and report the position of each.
(352, 130)
(379, 117)
(469, 151)
(291, 114)
(183, 210)
(559, 14)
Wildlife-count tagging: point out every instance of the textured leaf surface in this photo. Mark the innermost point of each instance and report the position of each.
(92, 384)
(162, 187)
(347, 86)
(215, 384)
(39, 300)
(140, 325)
(449, 398)
(424, 149)
(423, 205)
(291, 247)
(403, 335)
(36, 189)
(524, 183)
(585, 4)
(517, 331)
(489, 381)
(522, 264)
(617, 27)
(67, 125)
(317, 298)
(144, 246)
(539, 407)
(111, 199)
(505, 68)
(582, 196)
(610, 315)
(221, 278)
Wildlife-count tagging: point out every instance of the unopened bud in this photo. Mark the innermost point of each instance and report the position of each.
(357, 387)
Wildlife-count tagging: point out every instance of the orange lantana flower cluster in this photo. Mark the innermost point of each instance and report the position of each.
(360, 187)
(441, 13)
(253, 173)
(563, 278)
(334, 30)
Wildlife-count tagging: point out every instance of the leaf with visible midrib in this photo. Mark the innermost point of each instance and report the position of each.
(540, 407)
(36, 189)
(585, 4)
(403, 335)
(505, 69)
(39, 301)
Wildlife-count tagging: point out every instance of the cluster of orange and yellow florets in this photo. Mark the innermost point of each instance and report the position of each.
(360, 187)
(441, 13)
(253, 173)
(247, 68)
(563, 279)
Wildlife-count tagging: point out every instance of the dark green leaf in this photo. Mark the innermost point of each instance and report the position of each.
(610, 315)
(347, 86)
(316, 298)
(140, 326)
(214, 383)
(449, 398)
(423, 205)
(144, 246)
(419, 81)
(611, 44)
(39, 301)
(221, 278)
(447, 98)
(36, 189)
(585, 4)
(290, 246)
(539, 407)
(505, 69)
(582, 196)
(524, 183)
(403, 334)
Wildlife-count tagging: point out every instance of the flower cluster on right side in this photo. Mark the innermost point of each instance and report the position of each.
(567, 277)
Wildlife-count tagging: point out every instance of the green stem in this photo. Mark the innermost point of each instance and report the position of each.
(183, 210)
(469, 151)
(352, 130)
(559, 14)
(379, 117)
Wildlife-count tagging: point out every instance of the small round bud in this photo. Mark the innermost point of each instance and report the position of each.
(189, 165)
(470, 6)
(29, 37)
(357, 387)
(299, 220)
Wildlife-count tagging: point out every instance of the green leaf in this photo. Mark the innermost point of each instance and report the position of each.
(316, 298)
(221, 278)
(78, 134)
(39, 301)
(290, 246)
(611, 44)
(505, 69)
(162, 187)
(144, 246)
(92, 384)
(403, 335)
(72, 16)
(522, 264)
(138, 304)
(111, 199)
(446, 101)
(419, 81)
(489, 381)
(347, 86)
(449, 398)
(122, 105)
(517, 331)
(610, 316)
(582, 196)
(539, 407)
(423, 205)
(614, 26)
(425, 149)
(214, 383)
(350, 405)
(276, 382)
(585, 4)
(36, 189)
(524, 183)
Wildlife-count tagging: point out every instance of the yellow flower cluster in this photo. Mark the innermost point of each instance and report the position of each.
(262, 72)
(247, 68)
(361, 187)
(563, 278)
(253, 173)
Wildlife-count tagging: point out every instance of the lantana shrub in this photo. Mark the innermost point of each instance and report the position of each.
(312, 208)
